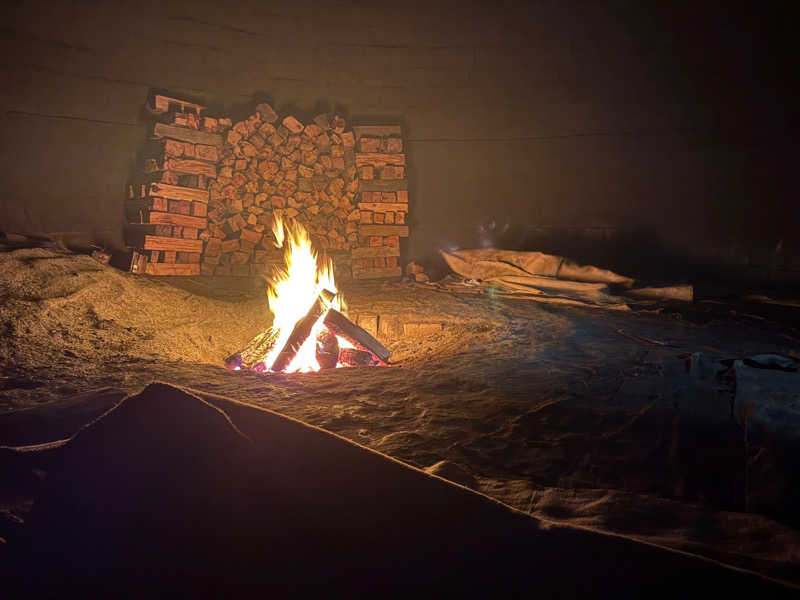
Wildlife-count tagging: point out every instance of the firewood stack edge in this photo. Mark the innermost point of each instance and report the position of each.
(209, 190)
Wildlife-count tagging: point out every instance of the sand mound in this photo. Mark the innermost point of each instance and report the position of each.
(57, 306)
(174, 489)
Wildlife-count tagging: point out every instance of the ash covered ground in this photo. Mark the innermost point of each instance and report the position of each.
(550, 409)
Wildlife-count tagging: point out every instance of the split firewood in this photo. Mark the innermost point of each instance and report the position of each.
(340, 325)
(327, 350)
(352, 357)
(253, 354)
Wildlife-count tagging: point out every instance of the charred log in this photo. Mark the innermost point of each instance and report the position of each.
(327, 350)
(351, 357)
(337, 323)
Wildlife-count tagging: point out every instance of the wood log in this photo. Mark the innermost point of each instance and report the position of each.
(184, 134)
(166, 218)
(393, 172)
(386, 185)
(181, 165)
(299, 335)
(174, 192)
(389, 230)
(206, 152)
(394, 145)
(138, 263)
(292, 124)
(377, 130)
(164, 104)
(153, 242)
(180, 207)
(187, 119)
(383, 206)
(327, 350)
(173, 269)
(369, 144)
(199, 209)
(379, 159)
(252, 356)
(340, 325)
(352, 357)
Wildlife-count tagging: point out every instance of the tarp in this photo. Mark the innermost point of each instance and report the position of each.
(555, 277)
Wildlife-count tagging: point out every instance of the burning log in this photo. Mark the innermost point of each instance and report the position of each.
(301, 331)
(351, 357)
(327, 350)
(253, 354)
(340, 325)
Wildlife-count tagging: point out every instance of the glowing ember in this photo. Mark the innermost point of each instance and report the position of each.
(294, 290)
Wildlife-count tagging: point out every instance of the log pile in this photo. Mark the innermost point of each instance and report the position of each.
(212, 188)
(282, 167)
(167, 205)
(383, 201)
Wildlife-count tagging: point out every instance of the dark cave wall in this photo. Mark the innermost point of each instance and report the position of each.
(608, 130)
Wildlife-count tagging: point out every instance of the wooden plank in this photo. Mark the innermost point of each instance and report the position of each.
(176, 192)
(161, 104)
(380, 273)
(165, 218)
(383, 206)
(154, 242)
(377, 185)
(162, 130)
(375, 252)
(379, 158)
(173, 269)
(377, 130)
(370, 230)
(182, 166)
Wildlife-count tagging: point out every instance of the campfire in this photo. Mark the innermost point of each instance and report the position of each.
(309, 332)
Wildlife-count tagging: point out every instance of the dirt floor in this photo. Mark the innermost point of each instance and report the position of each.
(579, 415)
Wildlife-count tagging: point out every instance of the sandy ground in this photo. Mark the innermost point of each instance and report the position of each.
(550, 409)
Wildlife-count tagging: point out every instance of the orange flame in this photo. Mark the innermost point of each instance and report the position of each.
(294, 289)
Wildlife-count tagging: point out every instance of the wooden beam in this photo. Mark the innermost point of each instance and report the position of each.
(165, 218)
(161, 104)
(379, 185)
(184, 134)
(378, 273)
(379, 158)
(375, 252)
(155, 242)
(176, 192)
(377, 130)
(399, 230)
(183, 166)
(172, 269)
(383, 206)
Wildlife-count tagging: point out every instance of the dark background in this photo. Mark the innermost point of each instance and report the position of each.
(651, 137)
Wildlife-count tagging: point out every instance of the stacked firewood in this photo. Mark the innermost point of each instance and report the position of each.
(167, 205)
(346, 187)
(271, 168)
(383, 201)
